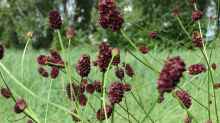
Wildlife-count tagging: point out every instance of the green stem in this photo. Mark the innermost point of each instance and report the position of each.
(182, 27)
(48, 99)
(22, 59)
(149, 112)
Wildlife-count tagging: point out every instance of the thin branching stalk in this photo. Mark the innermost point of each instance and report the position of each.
(23, 56)
(129, 113)
(149, 112)
(182, 27)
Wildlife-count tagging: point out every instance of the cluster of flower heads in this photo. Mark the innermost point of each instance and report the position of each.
(54, 61)
(170, 75)
(55, 21)
(110, 16)
(197, 39)
(184, 98)
(196, 69)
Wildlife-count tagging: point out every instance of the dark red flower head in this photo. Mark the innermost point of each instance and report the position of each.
(143, 49)
(214, 66)
(98, 85)
(83, 66)
(104, 56)
(42, 59)
(30, 121)
(197, 15)
(129, 70)
(116, 92)
(54, 72)
(43, 72)
(90, 88)
(170, 75)
(82, 100)
(100, 115)
(197, 39)
(196, 69)
(20, 106)
(188, 119)
(152, 35)
(55, 20)
(110, 17)
(119, 72)
(176, 11)
(116, 54)
(209, 121)
(55, 59)
(5, 92)
(2, 50)
(184, 98)
(127, 87)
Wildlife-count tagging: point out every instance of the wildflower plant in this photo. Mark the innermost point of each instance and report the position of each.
(111, 94)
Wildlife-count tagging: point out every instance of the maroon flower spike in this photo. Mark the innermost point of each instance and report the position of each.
(5, 92)
(20, 106)
(119, 72)
(100, 115)
(82, 100)
(197, 15)
(152, 35)
(98, 86)
(54, 72)
(1, 51)
(55, 20)
(83, 66)
(214, 66)
(197, 39)
(170, 75)
(196, 69)
(42, 59)
(127, 87)
(43, 72)
(184, 98)
(90, 88)
(104, 56)
(143, 49)
(116, 54)
(56, 59)
(129, 70)
(110, 17)
(116, 92)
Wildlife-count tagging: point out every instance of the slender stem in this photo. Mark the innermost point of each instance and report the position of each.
(129, 113)
(183, 28)
(22, 59)
(48, 99)
(113, 110)
(148, 113)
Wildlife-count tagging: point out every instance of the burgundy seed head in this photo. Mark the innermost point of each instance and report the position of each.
(196, 69)
(104, 56)
(83, 66)
(197, 39)
(98, 85)
(197, 15)
(170, 75)
(90, 88)
(129, 70)
(152, 35)
(176, 11)
(214, 66)
(43, 72)
(116, 92)
(54, 72)
(116, 54)
(100, 115)
(2, 50)
(5, 92)
(119, 72)
(82, 100)
(20, 106)
(216, 85)
(55, 20)
(143, 49)
(184, 98)
(42, 59)
(70, 32)
(209, 121)
(110, 17)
